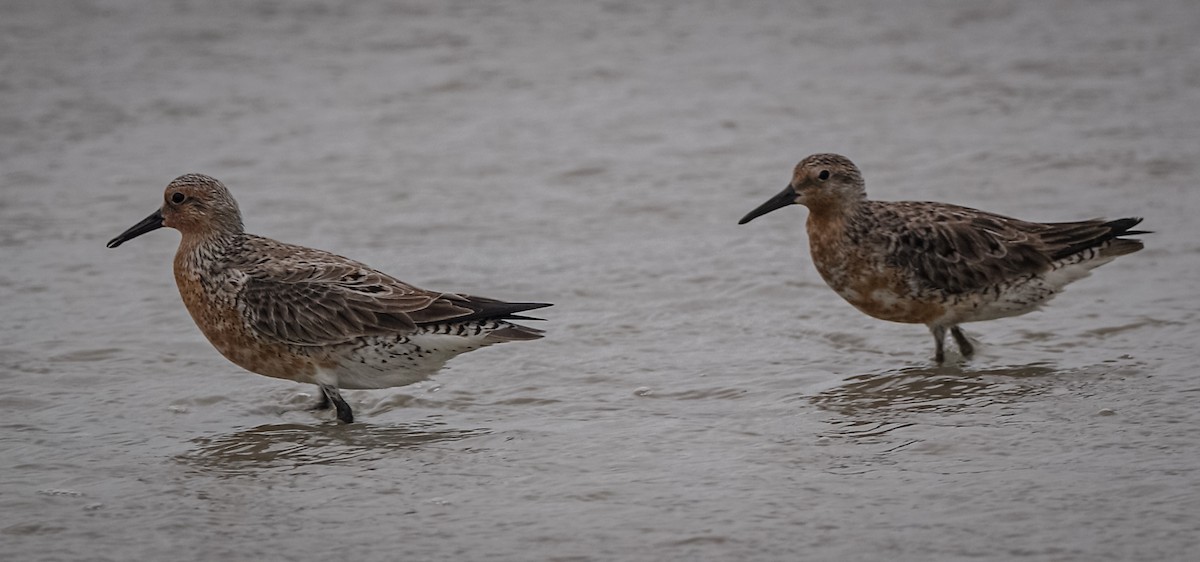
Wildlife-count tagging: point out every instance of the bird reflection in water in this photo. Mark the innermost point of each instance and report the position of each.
(929, 389)
(288, 444)
(876, 404)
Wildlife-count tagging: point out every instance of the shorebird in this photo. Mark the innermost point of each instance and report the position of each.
(934, 263)
(310, 316)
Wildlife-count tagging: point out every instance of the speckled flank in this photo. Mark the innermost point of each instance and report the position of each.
(306, 315)
(938, 264)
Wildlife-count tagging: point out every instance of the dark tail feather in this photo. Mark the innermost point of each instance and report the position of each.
(1104, 232)
(492, 309)
(1120, 227)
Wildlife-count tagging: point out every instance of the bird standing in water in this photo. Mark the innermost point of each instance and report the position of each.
(934, 263)
(310, 316)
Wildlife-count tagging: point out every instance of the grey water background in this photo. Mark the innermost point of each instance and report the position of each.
(701, 394)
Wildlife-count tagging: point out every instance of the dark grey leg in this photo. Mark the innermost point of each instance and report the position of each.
(344, 414)
(939, 341)
(323, 403)
(964, 344)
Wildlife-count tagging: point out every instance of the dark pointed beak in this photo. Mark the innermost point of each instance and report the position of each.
(152, 222)
(783, 199)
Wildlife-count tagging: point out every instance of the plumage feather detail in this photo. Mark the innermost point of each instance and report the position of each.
(959, 250)
(315, 298)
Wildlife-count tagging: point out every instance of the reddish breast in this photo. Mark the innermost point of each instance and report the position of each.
(857, 272)
(225, 328)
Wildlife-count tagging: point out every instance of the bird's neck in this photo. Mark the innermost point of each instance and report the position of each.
(831, 210)
(199, 253)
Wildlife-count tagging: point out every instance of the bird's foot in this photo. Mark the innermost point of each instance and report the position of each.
(332, 396)
(939, 343)
(964, 344)
(322, 404)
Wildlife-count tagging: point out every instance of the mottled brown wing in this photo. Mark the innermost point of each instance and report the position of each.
(316, 298)
(959, 250)
(1062, 239)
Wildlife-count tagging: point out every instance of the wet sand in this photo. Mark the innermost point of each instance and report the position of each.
(701, 394)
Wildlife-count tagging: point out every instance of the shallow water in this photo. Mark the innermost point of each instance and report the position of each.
(701, 395)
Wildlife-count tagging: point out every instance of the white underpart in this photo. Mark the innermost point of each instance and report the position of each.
(402, 361)
(1028, 294)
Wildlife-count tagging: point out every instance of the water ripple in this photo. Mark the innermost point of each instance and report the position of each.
(925, 389)
(291, 445)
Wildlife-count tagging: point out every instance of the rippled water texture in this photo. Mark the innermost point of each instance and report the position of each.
(702, 395)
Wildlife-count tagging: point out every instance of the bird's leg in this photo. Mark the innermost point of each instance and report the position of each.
(964, 344)
(323, 403)
(344, 414)
(939, 341)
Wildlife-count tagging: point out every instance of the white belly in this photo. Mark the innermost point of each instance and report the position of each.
(389, 362)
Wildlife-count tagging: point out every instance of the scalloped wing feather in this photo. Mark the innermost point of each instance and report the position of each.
(959, 250)
(310, 297)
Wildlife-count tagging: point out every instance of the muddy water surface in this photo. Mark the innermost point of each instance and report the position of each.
(701, 395)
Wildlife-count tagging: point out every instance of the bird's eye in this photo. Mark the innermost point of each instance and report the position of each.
(177, 197)
(824, 175)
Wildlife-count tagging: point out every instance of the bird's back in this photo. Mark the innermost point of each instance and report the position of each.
(983, 265)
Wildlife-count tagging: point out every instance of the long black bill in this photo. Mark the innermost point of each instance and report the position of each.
(783, 199)
(152, 222)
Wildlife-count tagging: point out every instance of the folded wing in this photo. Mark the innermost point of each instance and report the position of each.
(960, 250)
(317, 298)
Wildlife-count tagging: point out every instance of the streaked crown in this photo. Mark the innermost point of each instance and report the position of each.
(200, 204)
(832, 169)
